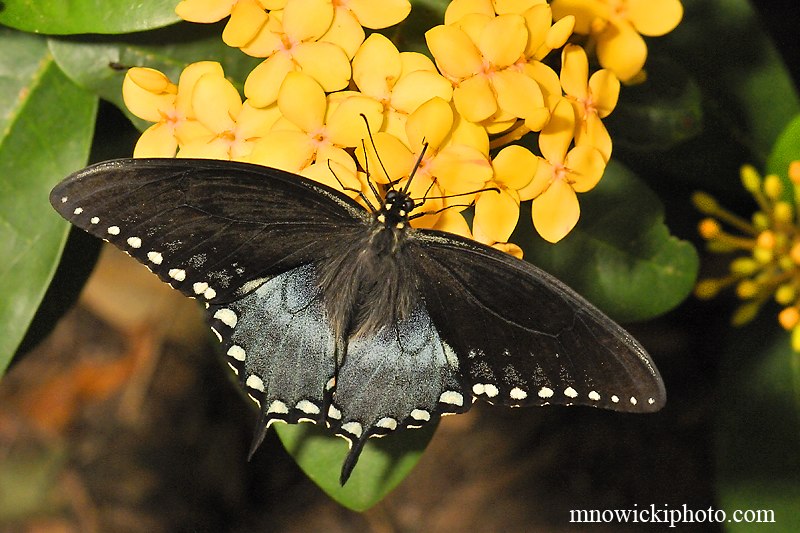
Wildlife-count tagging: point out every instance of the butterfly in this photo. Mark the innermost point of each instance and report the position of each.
(338, 315)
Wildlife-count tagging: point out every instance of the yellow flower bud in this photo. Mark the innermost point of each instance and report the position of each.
(707, 288)
(705, 203)
(746, 289)
(794, 172)
(796, 339)
(773, 187)
(783, 212)
(744, 265)
(766, 239)
(786, 294)
(709, 228)
(745, 313)
(789, 317)
(750, 178)
(760, 220)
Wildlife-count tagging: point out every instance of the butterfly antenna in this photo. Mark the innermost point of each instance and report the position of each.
(416, 167)
(351, 189)
(377, 156)
(424, 198)
(366, 169)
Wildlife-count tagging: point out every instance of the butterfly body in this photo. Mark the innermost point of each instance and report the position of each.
(332, 314)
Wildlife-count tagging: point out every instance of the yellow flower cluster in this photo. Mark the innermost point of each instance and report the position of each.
(615, 28)
(770, 267)
(323, 86)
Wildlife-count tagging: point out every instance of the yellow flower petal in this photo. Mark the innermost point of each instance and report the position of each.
(216, 103)
(514, 167)
(469, 134)
(325, 62)
(509, 248)
(414, 61)
(475, 99)
(345, 126)
(267, 41)
(335, 168)
(256, 122)
(538, 20)
(307, 20)
(518, 95)
(430, 124)
(586, 166)
(187, 81)
(604, 86)
(555, 212)
(574, 71)
(416, 88)
(458, 9)
(377, 15)
(503, 40)
(461, 169)
(191, 131)
(454, 52)
(559, 32)
(542, 177)
(247, 19)
(547, 79)
(503, 7)
(654, 17)
(287, 150)
(421, 187)
(156, 141)
(393, 160)
(377, 66)
(263, 83)
(204, 11)
(216, 148)
(556, 136)
(584, 11)
(148, 94)
(593, 133)
(473, 25)
(622, 50)
(496, 215)
(451, 221)
(345, 31)
(302, 101)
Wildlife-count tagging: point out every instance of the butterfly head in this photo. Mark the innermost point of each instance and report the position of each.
(395, 210)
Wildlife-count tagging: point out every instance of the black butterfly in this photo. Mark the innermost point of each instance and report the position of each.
(332, 314)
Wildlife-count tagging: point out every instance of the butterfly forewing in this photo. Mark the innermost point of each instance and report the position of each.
(207, 228)
(524, 338)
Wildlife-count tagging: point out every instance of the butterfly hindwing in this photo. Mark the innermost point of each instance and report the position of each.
(403, 376)
(525, 338)
(211, 229)
(281, 347)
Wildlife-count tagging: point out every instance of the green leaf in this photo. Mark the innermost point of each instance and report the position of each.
(620, 256)
(57, 17)
(724, 45)
(90, 60)
(47, 124)
(786, 150)
(659, 114)
(383, 463)
(758, 425)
